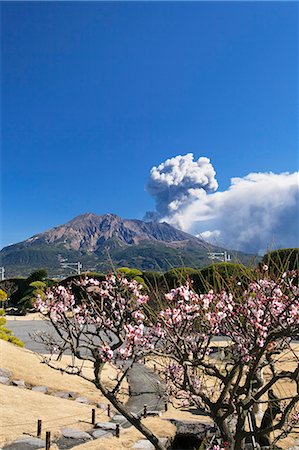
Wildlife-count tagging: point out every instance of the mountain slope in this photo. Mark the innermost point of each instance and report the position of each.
(102, 241)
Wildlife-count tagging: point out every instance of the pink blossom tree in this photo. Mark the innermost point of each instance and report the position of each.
(99, 323)
(111, 321)
(257, 329)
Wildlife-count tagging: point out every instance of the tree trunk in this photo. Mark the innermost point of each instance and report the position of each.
(129, 416)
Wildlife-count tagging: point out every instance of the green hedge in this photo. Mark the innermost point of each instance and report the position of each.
(283, 260)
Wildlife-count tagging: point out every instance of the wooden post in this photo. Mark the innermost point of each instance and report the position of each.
(48, 440)
(93, 416)
(145, 411)
(108, 410)
(165, 406)
(39, 428)
(117, 429)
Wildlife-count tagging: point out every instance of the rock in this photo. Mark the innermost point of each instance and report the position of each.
(82, 400)
(53, 447)
(144, 444)
(42, 389)
(61, 394)
(102, 406)
(74, 434)
(100, 433)
(4, 380)
(73, 394)
(31, 441)
(5, 373)
(154, 413)
(119, 418)
(19, 383)
(106, 425)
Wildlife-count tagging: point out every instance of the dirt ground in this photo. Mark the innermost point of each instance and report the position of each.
(20, 408)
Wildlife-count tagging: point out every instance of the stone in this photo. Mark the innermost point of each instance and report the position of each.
(42, 389)
(53, 447)
(119, 418)
(4, 380)
(31, 441)
(74, 434)
(5, 373)
(100, 433)
(61, 394)
(19, 383)
(106, 425)
(144, 445)
(154, 413)
(82, 400)
(73, 394)
(102, 406)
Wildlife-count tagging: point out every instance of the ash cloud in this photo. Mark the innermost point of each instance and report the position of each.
(257, 212)
(179, 181)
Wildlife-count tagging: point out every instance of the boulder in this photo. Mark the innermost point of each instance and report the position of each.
(119, 418)
(106, 425)
(82, 400)
(19, 383)
(42, 389)
(72, 433)
(101, 433)
(5, 373)
(30, 441)
(61, 394)
(4, 380)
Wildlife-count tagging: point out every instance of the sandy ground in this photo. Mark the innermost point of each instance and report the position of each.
(161, 428)
(20, 408)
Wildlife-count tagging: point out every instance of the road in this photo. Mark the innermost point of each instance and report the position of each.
(146, 387)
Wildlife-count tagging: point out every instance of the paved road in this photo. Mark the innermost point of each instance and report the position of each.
(145, 386)
(146, 389)
(23, 328)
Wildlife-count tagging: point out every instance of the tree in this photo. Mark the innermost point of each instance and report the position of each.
(111, 321)
(37, 275)
(34, 290)
(104, 323)
(257, 329)
(3, 297)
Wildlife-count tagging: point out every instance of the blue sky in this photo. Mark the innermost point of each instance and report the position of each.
(95, 94)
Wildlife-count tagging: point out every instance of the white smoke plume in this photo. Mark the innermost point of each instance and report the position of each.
(179, 181)
(257, 212)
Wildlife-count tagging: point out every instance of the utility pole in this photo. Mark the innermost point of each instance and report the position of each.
(221, 256)
(2, 273)
(77, 267)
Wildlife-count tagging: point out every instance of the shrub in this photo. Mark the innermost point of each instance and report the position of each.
(178, 276)
(283, 260)
(129, 273)
(223, 276)
(3, 296)
(37, 275)
(96, 275)
(6, 334)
